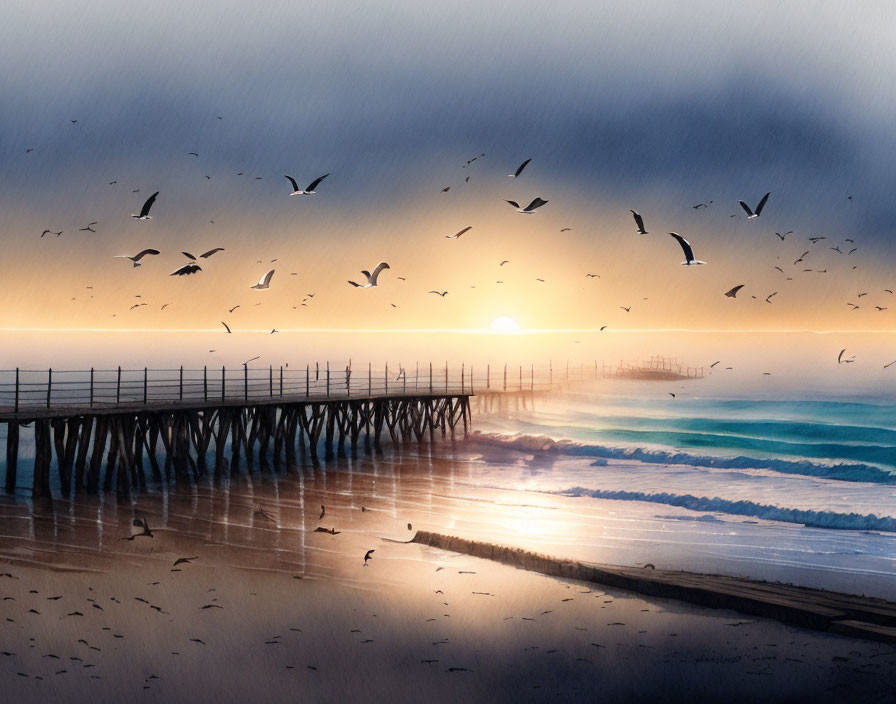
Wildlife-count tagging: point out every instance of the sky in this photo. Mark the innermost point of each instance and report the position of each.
(650, 106)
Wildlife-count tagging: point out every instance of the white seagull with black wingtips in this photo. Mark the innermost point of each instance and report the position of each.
(529, 209)
(265, 281)
(688, 252)
(144, 211)
(371, 278)
(309, 189)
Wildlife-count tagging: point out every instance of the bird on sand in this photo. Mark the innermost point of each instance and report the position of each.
(144, 211)
(519, 170)
(639, 221)
(309, 189)
(454, 237)
(688, 252)
(372, 278)
(137, 257)
(265, 281)
(367, 556)
(184, 560)
(140, 523)
(186, 269)
(529, 209)
(226, 327)
(323, 511)
(754, 213)
(331, 531)
(733, 292)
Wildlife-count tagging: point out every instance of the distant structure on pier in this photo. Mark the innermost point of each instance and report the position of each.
(657, 368)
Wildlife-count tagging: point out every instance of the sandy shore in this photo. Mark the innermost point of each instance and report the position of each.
(272, 610)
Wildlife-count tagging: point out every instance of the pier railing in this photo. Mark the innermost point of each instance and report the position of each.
(28, 389)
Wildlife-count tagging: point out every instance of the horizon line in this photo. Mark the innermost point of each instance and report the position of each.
(457, 331)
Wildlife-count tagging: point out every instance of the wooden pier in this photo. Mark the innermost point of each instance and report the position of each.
(100, 429)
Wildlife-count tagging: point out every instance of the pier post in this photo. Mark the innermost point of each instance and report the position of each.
(17, 391)
(330, 413)
(246, 381)
(271, 380)
(91, 387)
(281, 381)
(12, 455)
(180, 383)
(369, 379)
(42, 455)
(223, 383)
(463, 377)
(446, 376)
(430, 377)
(328, 380)
(145, 384)
(488, 377)
(117, 387)
(205, 383)
(49, 385)
(505, 377)
(386, 375)
(307, 380)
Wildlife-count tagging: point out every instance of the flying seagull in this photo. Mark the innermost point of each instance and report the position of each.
(688, 252)
(309, 189)
(442, 293)
(733, 292)
(226, 327)
(89, 227)
(367, 556)
(144, 211)
(211, 252)
(639, 221)
(840, 359)
(529, 209)
(454, 237)
(186, 269)
(265, 281)
(519, 169)
(137, 257)
(754, 213)
(372, 278)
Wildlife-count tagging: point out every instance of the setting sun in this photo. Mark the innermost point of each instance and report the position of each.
(505, 325)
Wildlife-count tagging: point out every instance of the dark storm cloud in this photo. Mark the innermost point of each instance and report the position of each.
(616, 101)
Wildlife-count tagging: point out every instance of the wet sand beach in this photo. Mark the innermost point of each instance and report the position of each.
(271, 609)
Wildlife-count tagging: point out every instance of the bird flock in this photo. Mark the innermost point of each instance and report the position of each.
(801, 265)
